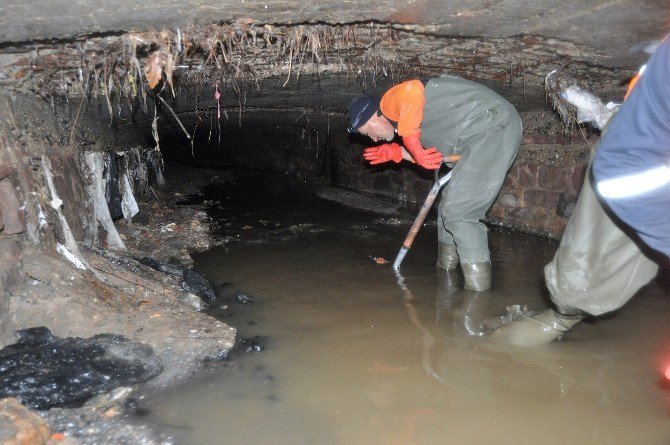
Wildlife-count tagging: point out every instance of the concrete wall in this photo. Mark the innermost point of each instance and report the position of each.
(536, 197)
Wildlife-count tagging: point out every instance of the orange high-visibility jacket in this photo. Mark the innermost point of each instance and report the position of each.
(403, 104)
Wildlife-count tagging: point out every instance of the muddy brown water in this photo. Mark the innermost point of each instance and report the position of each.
(353, 356)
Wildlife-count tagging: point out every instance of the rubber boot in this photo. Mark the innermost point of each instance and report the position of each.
(537, 330)
(447, 256)
(477, 275)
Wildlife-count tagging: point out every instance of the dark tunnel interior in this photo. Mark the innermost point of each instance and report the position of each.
(180, 197)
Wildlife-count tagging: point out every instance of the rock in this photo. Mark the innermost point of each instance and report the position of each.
(12, 215)
(18, 425)
(195, 283)
(192, 301)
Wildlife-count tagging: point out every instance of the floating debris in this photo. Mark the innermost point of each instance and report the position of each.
(243, 298)
(379, 260)
(253, 344)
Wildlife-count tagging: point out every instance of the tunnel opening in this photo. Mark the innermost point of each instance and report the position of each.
(181, 123)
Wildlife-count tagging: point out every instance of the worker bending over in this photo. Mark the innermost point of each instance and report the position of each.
(458, 120)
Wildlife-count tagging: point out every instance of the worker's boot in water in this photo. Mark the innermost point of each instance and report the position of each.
(537, 330)
(477, 275)
(447, 256)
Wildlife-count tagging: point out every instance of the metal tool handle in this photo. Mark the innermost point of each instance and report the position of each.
(420, 218)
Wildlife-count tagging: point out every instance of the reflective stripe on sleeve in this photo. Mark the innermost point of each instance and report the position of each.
(635, 184)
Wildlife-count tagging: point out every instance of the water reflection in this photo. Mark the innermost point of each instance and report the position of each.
(427, 338)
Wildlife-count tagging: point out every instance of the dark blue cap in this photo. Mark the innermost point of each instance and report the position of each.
(360, 111)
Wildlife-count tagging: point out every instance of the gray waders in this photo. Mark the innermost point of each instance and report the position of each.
(466, 118)
(597, 267)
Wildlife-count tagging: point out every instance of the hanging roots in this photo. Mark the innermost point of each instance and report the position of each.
(124, 68)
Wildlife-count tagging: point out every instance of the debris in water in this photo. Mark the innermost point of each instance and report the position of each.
(243, 298)
(250, 344)
(379, 260)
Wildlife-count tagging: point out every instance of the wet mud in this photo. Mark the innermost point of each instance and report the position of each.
(43, 371)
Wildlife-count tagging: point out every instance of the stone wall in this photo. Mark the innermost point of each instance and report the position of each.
(541, 188)
(537, 196)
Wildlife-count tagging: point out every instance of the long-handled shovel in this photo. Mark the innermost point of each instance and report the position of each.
(420, 218)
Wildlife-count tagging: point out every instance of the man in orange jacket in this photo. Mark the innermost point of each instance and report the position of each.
(458, 120)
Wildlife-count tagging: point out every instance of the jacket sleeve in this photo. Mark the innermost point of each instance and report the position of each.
(631, 168)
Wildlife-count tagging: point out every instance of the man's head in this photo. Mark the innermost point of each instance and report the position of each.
(366, 118)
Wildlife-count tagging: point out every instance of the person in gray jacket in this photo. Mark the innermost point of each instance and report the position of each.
(463, 123)
(619, 230)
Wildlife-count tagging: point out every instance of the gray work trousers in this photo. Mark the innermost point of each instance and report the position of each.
(463, 117)
(597, 267)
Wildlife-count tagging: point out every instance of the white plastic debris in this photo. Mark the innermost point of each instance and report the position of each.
(56, 203)
(67, 254)
(97, 192)
(168, 228)
(614, 106)
(128, 203)
(71, 252)
(589, 108)
(42, 217)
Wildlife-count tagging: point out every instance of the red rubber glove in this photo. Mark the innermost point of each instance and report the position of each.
(383, 153)
(429, 158)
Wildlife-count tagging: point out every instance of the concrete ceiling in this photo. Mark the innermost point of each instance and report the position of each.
(609, 27)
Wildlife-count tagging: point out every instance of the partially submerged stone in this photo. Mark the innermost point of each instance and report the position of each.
(195, 283)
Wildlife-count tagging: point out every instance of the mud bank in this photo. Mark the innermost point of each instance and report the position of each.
(70, 266)
(140, 303)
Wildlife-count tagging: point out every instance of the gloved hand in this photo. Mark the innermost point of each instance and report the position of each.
(383, 153)
(429, 158)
